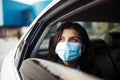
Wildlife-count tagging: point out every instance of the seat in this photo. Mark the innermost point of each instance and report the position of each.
(113, 40)
(103, 60)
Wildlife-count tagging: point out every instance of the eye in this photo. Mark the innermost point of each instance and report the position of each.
(74, 40)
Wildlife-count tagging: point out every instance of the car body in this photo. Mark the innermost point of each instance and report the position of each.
(27, 60)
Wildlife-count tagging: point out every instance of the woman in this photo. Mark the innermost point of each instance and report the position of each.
(70, 47)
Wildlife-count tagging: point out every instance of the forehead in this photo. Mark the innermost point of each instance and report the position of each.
(70, 32)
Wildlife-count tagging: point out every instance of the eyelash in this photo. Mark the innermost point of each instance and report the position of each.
(71, 40)
(74, 40)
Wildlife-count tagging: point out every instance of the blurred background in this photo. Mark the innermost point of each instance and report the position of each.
(15, 18)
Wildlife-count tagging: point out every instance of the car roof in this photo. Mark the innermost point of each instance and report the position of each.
(89, 10)
(105, 12)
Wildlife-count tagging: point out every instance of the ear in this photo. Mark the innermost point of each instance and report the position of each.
(83, 48)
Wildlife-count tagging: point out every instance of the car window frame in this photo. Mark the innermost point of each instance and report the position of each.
(45, 21)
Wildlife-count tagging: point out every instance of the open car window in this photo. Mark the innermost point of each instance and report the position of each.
(95, 30)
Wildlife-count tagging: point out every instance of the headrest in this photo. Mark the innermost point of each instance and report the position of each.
(98, 44)
(113, 39)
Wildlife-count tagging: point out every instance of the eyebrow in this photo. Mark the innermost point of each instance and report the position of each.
(71, 37)
(75, 37)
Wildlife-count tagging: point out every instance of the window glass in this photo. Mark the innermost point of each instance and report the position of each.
(97, 30)
(44, 47)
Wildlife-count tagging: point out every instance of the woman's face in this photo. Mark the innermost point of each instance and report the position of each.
(70, 35)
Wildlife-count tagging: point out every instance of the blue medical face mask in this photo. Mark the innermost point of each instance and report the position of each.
(68, 51)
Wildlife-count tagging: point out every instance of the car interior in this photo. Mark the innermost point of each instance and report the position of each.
(107, 55)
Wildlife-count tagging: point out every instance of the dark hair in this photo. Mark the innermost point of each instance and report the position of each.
(84, 60)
